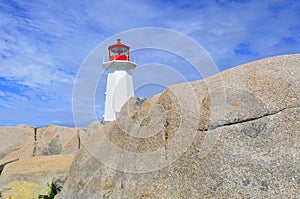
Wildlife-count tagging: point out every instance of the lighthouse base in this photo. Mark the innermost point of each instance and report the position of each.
(118, 90)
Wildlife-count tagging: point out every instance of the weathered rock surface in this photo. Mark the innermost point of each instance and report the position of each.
(54, 140)
(97, 124)
(16, 142)
(23, 141)
(40, 170)
(245, 128)
(23, 189)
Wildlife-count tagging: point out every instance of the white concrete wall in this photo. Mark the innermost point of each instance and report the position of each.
(118, 90)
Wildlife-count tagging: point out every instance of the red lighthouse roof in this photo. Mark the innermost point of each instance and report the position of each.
(118, 51)
(118, 44)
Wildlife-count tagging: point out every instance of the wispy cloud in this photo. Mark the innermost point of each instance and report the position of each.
(43, 43)
(222, 27)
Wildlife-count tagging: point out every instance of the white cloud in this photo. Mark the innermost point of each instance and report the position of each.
(8, 99)
(43, 43)
(35, 75)
(220, 28)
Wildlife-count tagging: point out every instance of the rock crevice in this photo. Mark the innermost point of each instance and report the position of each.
(251, 119)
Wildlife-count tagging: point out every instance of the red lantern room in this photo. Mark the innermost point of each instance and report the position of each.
(118, 51)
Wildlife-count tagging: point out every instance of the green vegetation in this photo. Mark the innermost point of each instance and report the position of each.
(51, 194)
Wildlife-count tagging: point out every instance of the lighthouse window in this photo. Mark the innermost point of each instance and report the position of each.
(116, 51)
(113, 52)
(120, 51)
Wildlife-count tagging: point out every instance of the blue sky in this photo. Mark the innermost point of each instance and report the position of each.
(43, 44)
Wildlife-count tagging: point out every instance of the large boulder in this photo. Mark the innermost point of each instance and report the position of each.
(54, 140)
(16, 142)
(41, 170)
(233, 135)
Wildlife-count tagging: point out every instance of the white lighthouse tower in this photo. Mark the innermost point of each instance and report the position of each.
(119, 86)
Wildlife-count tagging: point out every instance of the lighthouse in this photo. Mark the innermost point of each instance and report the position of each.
(119, 86)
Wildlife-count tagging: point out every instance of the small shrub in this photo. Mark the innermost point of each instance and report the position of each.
(51, 194)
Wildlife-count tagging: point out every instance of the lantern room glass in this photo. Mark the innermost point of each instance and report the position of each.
(119, 53)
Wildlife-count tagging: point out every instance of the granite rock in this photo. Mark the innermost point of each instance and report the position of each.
(23, 189)
(55, 140)
(40, 170)
(244, 124)
(16, 142)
